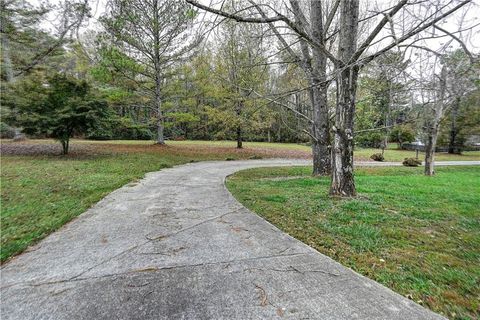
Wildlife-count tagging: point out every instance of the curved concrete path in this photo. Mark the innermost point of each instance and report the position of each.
(177, 245)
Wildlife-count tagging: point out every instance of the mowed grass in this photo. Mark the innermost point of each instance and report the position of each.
(418, 235)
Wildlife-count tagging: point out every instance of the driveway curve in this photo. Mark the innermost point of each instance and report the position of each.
(177, 245)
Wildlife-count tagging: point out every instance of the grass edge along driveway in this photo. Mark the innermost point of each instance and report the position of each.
(418, 235)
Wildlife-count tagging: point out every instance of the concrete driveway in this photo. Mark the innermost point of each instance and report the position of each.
(177, 245)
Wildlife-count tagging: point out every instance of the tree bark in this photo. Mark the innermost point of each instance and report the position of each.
(159, 112)
(430, 150)
(65, 146)
(434, 125)
(452, 145)
(239, 137)
(320, 131)
(343, 182)
(315, 69)
(239, 126)
(320, 126)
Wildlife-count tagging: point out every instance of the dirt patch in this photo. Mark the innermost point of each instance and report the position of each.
(37, 149)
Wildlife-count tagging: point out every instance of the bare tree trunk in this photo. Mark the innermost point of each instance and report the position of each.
(239, 126)
(388, 120)
(158, 108)
(315, 69)
(160, 137)
(239, 137)
(65, 146)
(320, 125)
(434, 125)
(430, 150)
(452, 145)
(320, 131)
(343, 183)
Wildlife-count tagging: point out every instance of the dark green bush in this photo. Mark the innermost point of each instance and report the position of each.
(377, 157)
(127, 129)
(370, 139)
(411, 162)
(122, 129)
(101, 132)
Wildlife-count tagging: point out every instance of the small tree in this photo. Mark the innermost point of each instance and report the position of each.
(58, 108)
(402, 134)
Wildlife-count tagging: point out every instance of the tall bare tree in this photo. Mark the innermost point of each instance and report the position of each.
(314, 63)
(351, 56)
(343, 182)
(435, 111)
(310, 19)
(443, 78)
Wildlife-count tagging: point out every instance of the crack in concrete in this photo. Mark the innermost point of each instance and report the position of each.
(137, 246)
(153, 239)
(158, 269)
(292, 268)
(170, 253)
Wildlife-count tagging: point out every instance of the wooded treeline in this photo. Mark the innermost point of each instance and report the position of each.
(201, 95)
(334, 74)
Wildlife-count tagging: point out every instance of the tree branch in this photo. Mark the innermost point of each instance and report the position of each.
(303, 62)
(413, 32)
(462, 44)
(377, 29)
(278, 17)
(330, 17)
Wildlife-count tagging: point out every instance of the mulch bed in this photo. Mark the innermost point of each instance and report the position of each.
(33, 148)
(38, 149)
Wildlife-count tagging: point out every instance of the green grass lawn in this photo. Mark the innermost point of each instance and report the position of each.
(418, 235)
